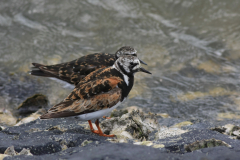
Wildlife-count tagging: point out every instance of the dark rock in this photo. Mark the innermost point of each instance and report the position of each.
(46, 136)
(33, 104)
(202, 137)
(66, 138)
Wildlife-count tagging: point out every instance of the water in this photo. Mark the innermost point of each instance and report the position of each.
(192, 48)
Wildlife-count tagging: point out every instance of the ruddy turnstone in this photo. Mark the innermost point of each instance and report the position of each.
(99, 93)
(74, 71)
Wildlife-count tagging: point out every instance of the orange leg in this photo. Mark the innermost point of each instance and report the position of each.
(91, 127)
(100, 131)
(106, 117)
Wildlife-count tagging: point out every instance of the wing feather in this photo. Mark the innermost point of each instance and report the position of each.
(83, 106)
(88, 97)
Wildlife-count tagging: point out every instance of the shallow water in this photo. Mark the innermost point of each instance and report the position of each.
(192, 48)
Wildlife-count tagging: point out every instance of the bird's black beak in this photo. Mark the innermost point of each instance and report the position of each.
(144, 70)
(142, 62)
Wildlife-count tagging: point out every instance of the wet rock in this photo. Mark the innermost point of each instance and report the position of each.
(33, 104)
(131, 125)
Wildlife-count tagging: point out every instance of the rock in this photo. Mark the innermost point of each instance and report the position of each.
(133, 108)
(47, 136)
(181, 124)
(25, 152)
(165, 132)
(10, 151)
(131, 125)
(118, 113)
(205, 144)
(229, 129)
(158, 146)
(33, 104)
(163, 115)
(66, 138)
(145, 143)
(2, 128)
(86, 142)
(32, 117)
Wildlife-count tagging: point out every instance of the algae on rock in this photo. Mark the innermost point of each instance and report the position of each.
(131, 125)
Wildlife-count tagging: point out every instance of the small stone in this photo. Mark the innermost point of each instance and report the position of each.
(229, 128)
(2, 128)
(10, 151)
(64, 147)
(181, 124)
(25, 152)
(144, 143)
(163, 115)
(236, 133)
(158, 146)
(165, 132)
(86, 142)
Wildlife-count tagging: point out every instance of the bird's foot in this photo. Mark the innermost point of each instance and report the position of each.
(106, 117)
(105, 135)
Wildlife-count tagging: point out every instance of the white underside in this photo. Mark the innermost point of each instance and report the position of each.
(97, 114)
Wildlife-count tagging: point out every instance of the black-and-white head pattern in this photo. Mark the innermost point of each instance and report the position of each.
(127, 65)
(126, 50)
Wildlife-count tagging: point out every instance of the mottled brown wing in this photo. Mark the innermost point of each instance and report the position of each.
(93, 87)
(88, 97)
(74, 71)
(82, 106)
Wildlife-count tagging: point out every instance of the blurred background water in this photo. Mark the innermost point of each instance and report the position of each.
(192, 48)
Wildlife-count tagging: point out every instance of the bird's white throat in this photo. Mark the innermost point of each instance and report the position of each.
(126, 78)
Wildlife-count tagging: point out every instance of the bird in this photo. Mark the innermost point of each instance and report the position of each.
(74, 71)
(99, 93)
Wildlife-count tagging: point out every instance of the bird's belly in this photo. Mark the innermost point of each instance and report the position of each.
(97, 114)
